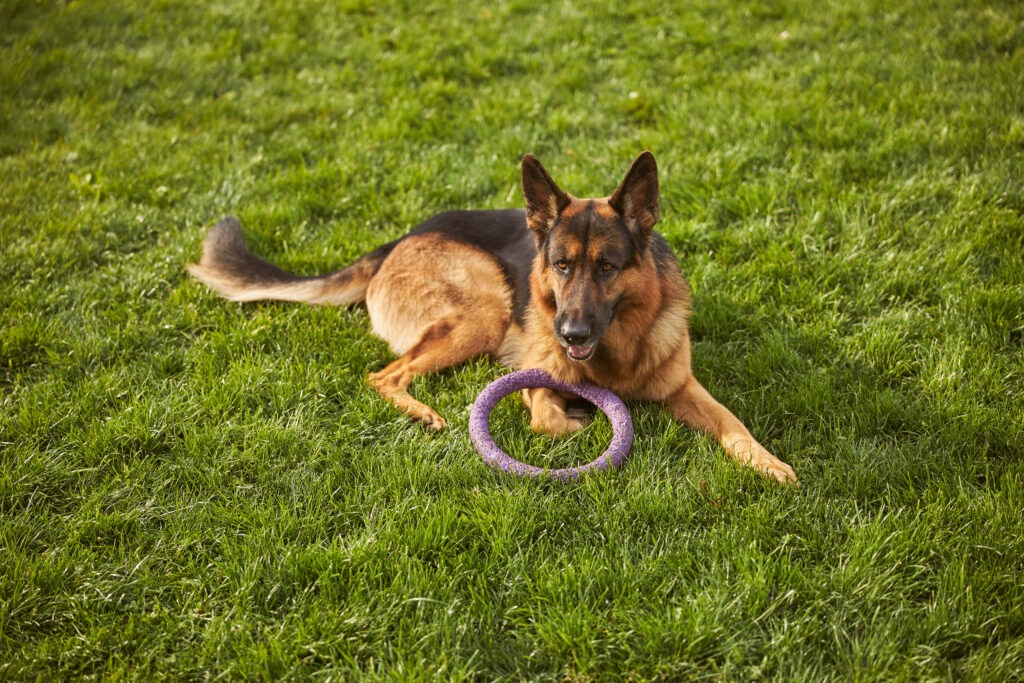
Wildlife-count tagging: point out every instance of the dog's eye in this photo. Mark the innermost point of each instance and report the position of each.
(562, 265)
(606, 267)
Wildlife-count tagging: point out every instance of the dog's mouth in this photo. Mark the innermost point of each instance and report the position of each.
(579, 353)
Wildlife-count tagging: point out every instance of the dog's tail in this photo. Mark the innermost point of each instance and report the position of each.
(234, 272)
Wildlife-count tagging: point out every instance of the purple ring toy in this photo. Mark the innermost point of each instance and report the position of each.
(608, 402)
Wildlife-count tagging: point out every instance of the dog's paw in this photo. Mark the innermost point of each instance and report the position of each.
(773, 468)
(430, 419)
(782, 472)
(752, 454)
(556, 424)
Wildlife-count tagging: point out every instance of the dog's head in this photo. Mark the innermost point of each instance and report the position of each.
(588, 249)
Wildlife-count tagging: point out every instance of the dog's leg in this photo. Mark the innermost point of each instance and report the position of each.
(548, 413)
(697, 408)
(442, 345)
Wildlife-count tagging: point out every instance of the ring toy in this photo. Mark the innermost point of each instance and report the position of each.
(610, 404)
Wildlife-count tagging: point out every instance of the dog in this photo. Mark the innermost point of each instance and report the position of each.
(581, 288)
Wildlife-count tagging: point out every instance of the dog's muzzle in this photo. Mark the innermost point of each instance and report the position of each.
(577, 338)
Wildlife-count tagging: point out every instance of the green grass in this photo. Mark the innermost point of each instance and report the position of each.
(193, 489)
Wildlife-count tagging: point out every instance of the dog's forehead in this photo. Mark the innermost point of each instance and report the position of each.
(591, 229)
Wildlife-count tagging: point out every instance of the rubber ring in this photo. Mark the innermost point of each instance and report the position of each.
(610, 404)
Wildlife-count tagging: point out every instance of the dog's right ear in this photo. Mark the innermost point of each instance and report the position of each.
(544, 199)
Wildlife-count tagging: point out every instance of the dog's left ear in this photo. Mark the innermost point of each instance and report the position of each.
(636, 199)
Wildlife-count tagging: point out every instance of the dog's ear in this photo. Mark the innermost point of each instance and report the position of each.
(544, 199)
(636, 199)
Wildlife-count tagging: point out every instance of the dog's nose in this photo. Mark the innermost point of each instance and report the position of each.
(575, 332)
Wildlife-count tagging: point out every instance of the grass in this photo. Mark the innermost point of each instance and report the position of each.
(192, 489)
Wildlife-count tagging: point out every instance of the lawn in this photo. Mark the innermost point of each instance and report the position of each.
(192, 489)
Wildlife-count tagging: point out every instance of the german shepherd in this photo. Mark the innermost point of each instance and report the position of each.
(581, 288)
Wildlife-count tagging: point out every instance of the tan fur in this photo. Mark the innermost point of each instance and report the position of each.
(460, 282)
(457, 308)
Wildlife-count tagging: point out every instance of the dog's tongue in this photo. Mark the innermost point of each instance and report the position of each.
(579, 351)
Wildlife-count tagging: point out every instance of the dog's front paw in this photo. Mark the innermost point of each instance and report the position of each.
(555, 424)
(773, 468)
(782, 472)
(431, 420)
